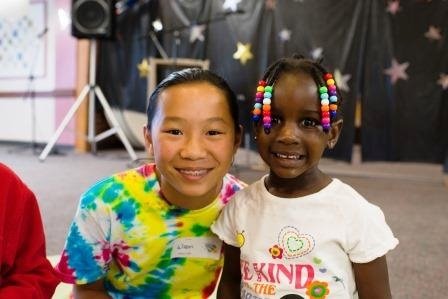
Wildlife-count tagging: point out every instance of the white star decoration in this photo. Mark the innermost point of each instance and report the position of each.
(433, 33)
(397, 71)
(316, 53)
(285, 35)
(393, 7)
(231, 5)
(443, 81)
(341, 80)
(197, 33)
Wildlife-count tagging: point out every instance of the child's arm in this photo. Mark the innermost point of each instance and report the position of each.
(94, 290)
(27, 273)
(230, 283)
(372, 279)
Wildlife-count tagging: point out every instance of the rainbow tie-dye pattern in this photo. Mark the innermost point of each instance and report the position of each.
(123, 232)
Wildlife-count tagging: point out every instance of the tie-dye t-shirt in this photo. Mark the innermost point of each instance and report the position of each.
(126, 233)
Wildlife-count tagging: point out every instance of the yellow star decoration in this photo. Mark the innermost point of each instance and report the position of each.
(143, 68)
(243, 53)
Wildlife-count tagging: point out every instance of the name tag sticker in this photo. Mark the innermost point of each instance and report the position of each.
(197, 247)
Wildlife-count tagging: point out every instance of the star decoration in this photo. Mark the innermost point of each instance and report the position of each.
(143, 68)
(231, 5)
(285, 35)
(243, 53)
(393, 7)
(270, 4)
(341, 80)
(443, 81)
(197, 33)
(397, 71)
(316, 53)
(433, 33)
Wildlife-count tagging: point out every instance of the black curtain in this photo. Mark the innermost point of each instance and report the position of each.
(408, 120)
(402, 120)
(118, 75)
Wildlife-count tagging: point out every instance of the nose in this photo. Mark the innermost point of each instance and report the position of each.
(288, 133)
(193, 148)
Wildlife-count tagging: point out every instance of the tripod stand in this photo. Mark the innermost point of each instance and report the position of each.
(92, 89)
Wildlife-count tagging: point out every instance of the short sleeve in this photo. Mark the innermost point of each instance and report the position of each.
(369, 235)
(225, 226)
(87, 251)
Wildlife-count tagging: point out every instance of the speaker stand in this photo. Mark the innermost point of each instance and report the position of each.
(92, 89)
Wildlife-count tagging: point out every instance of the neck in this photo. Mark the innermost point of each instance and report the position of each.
(305, 184)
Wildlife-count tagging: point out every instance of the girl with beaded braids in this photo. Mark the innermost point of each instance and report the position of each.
(298, 233)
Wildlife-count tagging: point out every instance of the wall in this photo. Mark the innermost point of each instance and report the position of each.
(37, 73)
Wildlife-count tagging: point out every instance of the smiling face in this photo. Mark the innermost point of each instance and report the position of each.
(193, 140)
(296, 142)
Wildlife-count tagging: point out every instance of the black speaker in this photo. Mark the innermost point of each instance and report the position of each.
(93, 19)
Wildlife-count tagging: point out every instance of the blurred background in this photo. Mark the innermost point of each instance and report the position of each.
(390, 60)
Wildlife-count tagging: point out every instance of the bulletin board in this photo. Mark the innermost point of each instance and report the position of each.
(27, 49)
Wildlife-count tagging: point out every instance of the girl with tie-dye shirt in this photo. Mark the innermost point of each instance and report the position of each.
(145, 232)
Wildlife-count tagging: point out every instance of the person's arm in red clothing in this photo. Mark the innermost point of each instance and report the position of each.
(25, 271)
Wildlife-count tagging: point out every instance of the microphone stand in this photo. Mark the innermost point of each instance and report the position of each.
(30, 94)
(175, 31)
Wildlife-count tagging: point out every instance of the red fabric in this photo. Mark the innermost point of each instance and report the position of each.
(25, 271)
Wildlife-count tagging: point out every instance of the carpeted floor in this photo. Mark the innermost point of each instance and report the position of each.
(412, 196)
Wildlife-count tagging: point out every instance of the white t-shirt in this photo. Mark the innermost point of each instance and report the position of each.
(303, 246)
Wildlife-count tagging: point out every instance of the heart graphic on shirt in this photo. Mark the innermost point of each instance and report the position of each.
(294, 243)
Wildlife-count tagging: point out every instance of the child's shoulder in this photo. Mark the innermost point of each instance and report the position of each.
(230, 186)
(349, 200)
(249, 193)
(342, 189)
(8, 176)
(129, 176)
(230, 179)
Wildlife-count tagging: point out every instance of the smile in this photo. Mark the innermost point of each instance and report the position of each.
(289, 156)
(193, 172)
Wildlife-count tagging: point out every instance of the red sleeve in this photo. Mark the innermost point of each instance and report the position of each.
(25, 270)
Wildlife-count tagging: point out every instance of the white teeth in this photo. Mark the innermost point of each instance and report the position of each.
(295, 157)
(193, 172)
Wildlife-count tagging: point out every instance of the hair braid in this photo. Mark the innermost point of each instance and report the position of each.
(328, 94)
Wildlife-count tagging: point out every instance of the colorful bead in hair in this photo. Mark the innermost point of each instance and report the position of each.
(328, 101)
(262, 105)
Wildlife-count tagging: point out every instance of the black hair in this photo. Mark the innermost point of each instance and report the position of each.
(299, 64)
(190, 75)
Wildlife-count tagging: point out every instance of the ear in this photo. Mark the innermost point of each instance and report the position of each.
(238, 138)
(148, 141)
(334, 133)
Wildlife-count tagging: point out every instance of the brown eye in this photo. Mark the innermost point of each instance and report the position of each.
(310, 123)
(214, 132)
(275, 120)
(174, 132)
